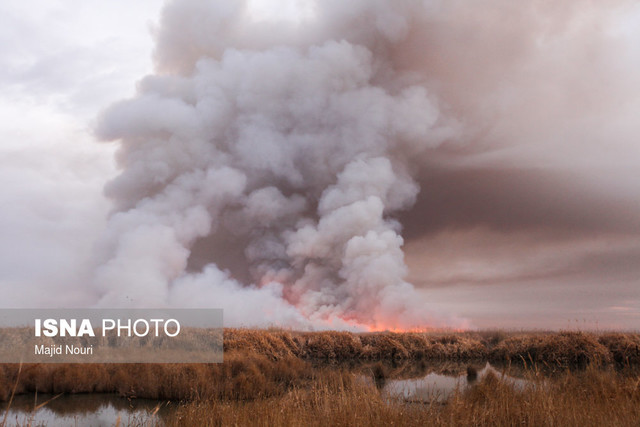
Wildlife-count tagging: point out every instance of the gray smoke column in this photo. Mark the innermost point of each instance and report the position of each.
(288, 145)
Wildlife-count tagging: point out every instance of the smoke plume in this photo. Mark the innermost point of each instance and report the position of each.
(294, 143)
(266, 164)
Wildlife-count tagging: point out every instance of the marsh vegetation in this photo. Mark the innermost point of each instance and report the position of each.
(276, 377)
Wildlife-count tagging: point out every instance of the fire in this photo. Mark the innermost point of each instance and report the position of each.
(392, 327)
(341, 322)
(381, 327)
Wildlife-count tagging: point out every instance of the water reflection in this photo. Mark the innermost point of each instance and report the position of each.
(82, 410)
(438, 387)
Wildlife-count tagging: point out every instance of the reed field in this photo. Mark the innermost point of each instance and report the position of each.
(279, 377)
(590, 398)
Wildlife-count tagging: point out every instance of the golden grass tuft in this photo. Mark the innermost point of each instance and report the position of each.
(624, 348)
(562, 350)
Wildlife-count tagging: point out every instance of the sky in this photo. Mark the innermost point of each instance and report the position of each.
(62, 62)
(524, 213)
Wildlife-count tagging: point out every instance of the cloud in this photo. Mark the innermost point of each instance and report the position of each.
(59, 64)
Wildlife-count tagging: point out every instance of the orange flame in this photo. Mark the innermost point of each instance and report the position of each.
(339, 322)
(381, 327)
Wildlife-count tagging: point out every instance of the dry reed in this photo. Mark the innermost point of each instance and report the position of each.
(261, 364)
(588, 398)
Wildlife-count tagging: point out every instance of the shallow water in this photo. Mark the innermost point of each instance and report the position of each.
(435, 387)
(82, 410)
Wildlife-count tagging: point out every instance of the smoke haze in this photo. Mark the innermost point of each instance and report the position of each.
(345, 164)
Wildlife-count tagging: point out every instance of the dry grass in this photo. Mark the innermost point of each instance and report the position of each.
(624, 348)
(589, 398)
(241, 376)
(558, 349)
(565, 350)
(316, 379)
(332, 345)
(261, 364)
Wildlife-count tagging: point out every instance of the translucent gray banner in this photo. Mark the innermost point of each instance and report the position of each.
(111, 335)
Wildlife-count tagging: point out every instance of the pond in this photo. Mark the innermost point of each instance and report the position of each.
(437, 387)
(81, 410)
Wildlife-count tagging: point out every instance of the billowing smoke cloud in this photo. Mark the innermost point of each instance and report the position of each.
(297, 144)
(265, 166)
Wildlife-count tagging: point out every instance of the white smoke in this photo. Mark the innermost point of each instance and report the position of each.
(296, 142)
(265, 163)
